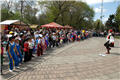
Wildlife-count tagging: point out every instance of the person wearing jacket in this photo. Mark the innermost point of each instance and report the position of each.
(26, 50)
(18, 51)
(11, 54)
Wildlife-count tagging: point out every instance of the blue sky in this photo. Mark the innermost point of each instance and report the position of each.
(109, 7)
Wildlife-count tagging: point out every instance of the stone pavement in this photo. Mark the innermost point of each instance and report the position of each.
(76, 61)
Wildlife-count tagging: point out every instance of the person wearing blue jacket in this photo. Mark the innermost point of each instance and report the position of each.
(18, 52)
(11, 54)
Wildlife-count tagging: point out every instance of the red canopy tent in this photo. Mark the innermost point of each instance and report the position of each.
(67, 27)
(52, 25)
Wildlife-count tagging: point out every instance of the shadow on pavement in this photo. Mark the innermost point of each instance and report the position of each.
(116, 47)
(116, 54)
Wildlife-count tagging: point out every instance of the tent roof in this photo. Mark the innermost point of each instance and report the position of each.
(33, 26)
(67, 26)
(52, 25)
(8, 22)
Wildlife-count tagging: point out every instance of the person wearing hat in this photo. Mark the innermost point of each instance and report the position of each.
(11, 32)
(110, 40)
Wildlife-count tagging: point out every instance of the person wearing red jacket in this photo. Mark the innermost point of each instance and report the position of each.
(26, 50)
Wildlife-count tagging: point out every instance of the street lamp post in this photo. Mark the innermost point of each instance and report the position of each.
(101, 17)
(21, 11)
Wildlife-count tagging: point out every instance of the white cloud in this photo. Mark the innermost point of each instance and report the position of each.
(90, 2)
(98, 10)
(105, 19)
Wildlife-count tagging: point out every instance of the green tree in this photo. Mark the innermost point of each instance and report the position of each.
(98, 25)
(117, 18)
(111, 23)
(74, 13)
(12, 10)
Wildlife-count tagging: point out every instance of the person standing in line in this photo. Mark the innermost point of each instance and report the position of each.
(33, 42)
(11, 54)
(54, 39)
(26, 50)
(2, 52)
(50, 40)
(43, 43)
(31, 45)
(39, 47)
(57, 40)
(46, 40)
(18, 50)
(22, 43)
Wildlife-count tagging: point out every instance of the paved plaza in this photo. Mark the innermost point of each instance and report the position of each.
(75, 61)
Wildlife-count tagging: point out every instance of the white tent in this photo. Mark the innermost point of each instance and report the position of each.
(8, 22)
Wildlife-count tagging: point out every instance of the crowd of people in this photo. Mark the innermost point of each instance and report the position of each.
(20, 45)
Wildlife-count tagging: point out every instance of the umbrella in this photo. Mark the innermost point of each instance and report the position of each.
(52, 25)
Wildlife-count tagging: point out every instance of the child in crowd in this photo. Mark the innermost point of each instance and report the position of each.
(18, 51)
(11, 54)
